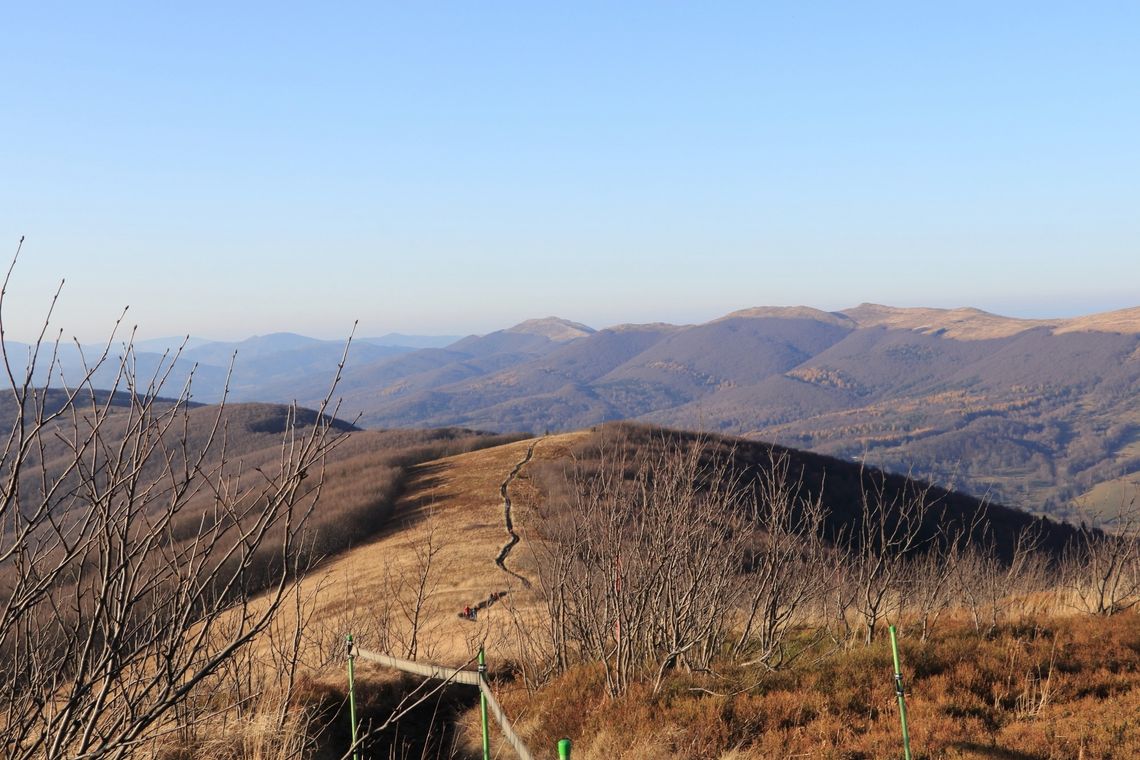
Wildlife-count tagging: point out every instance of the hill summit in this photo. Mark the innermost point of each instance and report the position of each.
(553, 328)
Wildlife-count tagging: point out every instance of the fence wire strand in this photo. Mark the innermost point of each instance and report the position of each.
(454, 675)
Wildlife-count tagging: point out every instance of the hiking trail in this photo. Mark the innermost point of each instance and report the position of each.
(507, 547)
(504, 552)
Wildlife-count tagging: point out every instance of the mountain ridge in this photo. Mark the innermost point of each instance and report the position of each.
(1017, 408)
(1039, 413)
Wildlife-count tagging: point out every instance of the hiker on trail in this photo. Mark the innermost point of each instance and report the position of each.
(467, 612)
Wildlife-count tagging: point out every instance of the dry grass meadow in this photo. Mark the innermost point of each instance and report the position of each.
(452, 505)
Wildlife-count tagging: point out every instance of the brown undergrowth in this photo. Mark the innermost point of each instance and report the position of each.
(1061, 687)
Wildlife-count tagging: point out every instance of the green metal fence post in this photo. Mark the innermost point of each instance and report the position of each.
(483, 704)
(563, 749)
(352, 694)
(900, 694)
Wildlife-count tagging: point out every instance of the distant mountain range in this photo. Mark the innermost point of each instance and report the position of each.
(264, 366)
(1037, 412)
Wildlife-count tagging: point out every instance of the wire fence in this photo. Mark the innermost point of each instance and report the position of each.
(453, 675)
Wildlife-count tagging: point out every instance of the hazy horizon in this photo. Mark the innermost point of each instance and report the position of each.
(142, 335)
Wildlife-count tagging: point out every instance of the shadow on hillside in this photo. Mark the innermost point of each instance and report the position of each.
(405, 512)
(841, 485)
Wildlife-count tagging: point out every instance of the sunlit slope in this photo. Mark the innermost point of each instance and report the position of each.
(452, 508)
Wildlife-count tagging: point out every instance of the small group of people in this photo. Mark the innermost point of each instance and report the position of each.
(472, 613)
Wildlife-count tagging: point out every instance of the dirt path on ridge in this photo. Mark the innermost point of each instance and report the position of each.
(501, 560)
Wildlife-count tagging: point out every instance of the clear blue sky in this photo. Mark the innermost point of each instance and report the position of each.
(231, 169)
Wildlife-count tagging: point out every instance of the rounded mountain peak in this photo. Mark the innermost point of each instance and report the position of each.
(553, 328)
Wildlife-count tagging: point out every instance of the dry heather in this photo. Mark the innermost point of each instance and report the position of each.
(1065, 687)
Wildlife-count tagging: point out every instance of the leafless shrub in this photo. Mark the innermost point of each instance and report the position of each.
(930, 587)
(527, 637)
(782, 577)
(931, 577)
(1101, 568)
(644, 580)
(366, 615)
(113, 612)
(989, 586)
(888, 531)
(409, 591)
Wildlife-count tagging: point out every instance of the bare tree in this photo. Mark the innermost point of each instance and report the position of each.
(889, 530)
(557, 564)
(1101, 568)
(410, 589)
(286, 638)
(990, 585)
(527, 636)
(131, 545)
(644, 579)
(838, 597)
(782, 575)
(930, 577)
(368, 616)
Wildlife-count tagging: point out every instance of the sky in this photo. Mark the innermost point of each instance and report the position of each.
(230, 169)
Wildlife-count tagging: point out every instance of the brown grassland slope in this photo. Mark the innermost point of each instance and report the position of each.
(451, 511)
(363, 476)
(431, 553)
(1047, 682)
